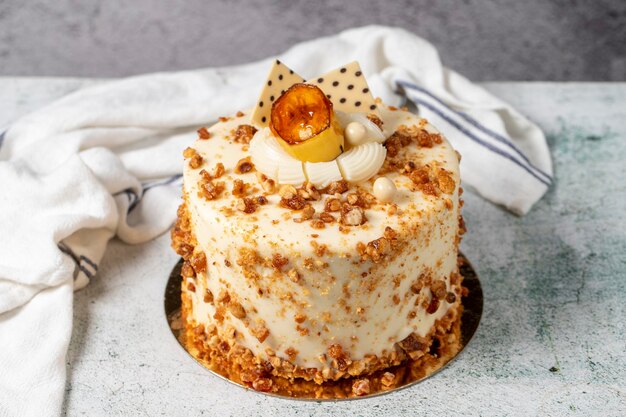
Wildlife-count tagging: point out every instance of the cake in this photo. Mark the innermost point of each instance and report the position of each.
(320, 235)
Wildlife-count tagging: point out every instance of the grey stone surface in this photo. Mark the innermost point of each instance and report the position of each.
(551, 341)
(485, 40)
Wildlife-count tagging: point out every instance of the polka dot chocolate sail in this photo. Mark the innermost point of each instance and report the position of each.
(320, 235)
(309, 121)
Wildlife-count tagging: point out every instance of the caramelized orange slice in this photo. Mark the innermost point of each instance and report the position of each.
(302, 112)
(303, 118)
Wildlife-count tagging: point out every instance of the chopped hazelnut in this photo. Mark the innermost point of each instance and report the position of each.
(223, 297)
(244, 133)
(445, 181)
(352, 215)
(327, 217)
(361, 387)
(393, 145)
(237, 310)
(377, 249)
(332, 204)
(287, 191)
(290, 198)
(195, 160)
(337, 187)
(438, 289)
(291, 352)
(239, 188)
(293, 275)
(247, 205)
(318, 224)
(413, 345)
(198, 262)
(335, 351)
(278, 261)
(390, 233)
(307, 212)
(387, 379)
(261, 333)
(420, 176)
(218, 170)
(268, 184)
(433, 306)
(187, 271)
(189, 152)
(203, 133)
(210, 190)
(244, 165)
(312, 192)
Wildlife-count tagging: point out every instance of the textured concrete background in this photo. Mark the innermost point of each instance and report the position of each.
(484, 40)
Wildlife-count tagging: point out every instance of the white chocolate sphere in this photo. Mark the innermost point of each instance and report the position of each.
(384, 189)
(355, 133)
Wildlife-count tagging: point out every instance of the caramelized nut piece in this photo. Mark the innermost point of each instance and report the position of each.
(244, 165)
(261, 333)
(361, 387)
(352, 215)
(332, 204)
(287, 192)
(239, 188)
(244, 133)
(237, 310)
(218, 171)
(203, 133)
(387, 379)
(247, 205)
(445, 181)
(195, 160)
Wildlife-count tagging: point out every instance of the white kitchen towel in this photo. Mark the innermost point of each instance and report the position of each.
(106, 161)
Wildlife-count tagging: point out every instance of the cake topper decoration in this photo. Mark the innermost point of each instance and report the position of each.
(319, 131)
(347, 88)
(278, 81)
(304, 119)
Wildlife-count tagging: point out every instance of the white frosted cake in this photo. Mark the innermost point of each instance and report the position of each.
(320, 236)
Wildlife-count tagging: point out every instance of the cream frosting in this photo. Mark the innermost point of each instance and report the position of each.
(364, 307)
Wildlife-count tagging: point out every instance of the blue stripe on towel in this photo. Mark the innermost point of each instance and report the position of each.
(148, 186)
(484, 129)
(168, 181)
(477, 139)
(2, 137)
(78, 260)
(134, 199)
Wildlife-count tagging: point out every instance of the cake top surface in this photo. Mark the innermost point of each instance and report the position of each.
(419, 173)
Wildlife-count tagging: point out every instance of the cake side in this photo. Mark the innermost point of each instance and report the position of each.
(413, 358)
(322, 284)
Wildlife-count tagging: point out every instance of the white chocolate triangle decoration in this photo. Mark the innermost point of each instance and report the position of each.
(347, 88)
(278, 80)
